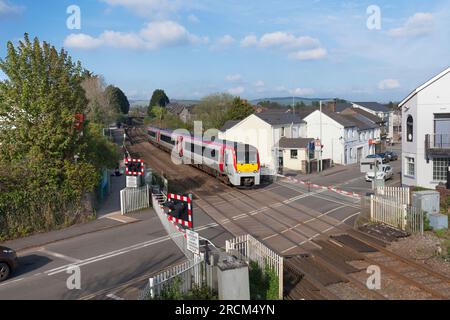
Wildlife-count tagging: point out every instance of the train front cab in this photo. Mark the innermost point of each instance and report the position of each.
(246, 166)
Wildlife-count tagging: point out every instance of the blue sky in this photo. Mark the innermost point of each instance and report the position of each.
(255, 49)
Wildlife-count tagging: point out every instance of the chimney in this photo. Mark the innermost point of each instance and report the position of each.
(331, 106)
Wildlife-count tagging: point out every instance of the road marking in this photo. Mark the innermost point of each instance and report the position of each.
(119, 252)
(114, 297)
(11, 281)
(59, 256)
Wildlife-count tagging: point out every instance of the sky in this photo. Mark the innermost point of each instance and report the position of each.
(375, 50)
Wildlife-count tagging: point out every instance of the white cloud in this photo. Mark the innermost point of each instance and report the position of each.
(233, 77)
(314, 54)
(236, 91)
(249, 41)
(420, 24)
(153, 36)
(223, 42)
(193, 19)
(8, 9)
(302, 92)
(259, 84)
(388, 84)
(280, 39)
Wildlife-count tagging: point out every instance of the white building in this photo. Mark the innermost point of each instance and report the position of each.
(426, 133)
(380, 111)
(347, 139)
(264, 131)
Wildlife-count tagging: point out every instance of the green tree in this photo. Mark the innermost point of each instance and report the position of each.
(159, 99)
(117, 99)
(212, 110)
(159, 113)
(239, 110)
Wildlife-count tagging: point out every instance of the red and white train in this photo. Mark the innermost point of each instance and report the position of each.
(234, 163)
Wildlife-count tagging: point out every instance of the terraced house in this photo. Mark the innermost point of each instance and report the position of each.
(426, 133)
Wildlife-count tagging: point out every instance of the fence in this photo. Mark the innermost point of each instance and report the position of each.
(401, 216)
(189, 273)
(252, 250)
(399, 195)
(173, 230)
(134, 199)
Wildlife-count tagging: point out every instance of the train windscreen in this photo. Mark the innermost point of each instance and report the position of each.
(246, 154)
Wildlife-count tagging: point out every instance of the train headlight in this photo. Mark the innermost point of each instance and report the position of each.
(238, 172)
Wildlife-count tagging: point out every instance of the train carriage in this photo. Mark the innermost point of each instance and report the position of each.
(232, 162)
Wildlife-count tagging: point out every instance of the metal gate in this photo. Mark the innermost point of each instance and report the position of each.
(134, 199)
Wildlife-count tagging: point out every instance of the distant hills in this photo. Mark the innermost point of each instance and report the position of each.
(144, 103)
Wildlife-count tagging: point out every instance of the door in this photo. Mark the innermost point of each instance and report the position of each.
(442, 130)
(359, 154)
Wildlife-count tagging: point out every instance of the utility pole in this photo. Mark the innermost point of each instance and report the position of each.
(319, 165)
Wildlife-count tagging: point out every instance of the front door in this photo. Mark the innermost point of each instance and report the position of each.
(359, 154)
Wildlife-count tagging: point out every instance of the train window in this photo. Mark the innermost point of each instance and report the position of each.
(246, 155)
(152, 134)
(167, 139)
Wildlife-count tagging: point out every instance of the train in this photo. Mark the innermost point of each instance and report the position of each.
(233, 163)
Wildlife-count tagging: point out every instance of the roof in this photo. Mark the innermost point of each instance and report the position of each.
(374, 106)
(279, 118)
(229, 124)
(298, 143)
(361, 122)
(341, 119)
(342, 106)
(368, 115)
(425, 85)
(178, 108)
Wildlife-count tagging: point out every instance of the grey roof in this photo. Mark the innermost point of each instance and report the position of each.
(298, 143)
(341, 119)
(342, 106)
(374, 106)
(177, 108)
(368, 115)
(229, 124)
(361, 122)
(280, 118)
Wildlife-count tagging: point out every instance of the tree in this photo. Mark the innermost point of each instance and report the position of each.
(117, 99)
(212, 110)
(159, 113)
(159, 99)
(239, 110)
(100, 110)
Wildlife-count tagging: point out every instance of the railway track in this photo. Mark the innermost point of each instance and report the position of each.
(334, 251)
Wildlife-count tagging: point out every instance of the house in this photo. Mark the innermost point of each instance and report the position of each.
(297, 153)
(346, 139)
(183, 111)
(382, 112)
(264, 131)
(426, 133)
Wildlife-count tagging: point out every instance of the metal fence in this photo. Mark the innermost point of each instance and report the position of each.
(134, 199)
(176, 233)
(400, 216)
(399, 195)
(185, 276)
(251, 249)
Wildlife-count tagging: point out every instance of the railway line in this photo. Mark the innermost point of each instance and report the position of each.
(324, 255)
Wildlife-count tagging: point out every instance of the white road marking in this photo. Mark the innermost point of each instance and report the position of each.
(11, 281)
(59, 256)
(114, 297)
(117, 219)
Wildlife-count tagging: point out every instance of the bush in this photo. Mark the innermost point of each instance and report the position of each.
(171, 291)
(263, 284)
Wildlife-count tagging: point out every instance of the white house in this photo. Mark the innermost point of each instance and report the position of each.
(380, 111)
(426, 133)
(264, 131)
(346, 139)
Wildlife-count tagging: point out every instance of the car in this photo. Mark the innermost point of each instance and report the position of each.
(384, 172)
(8, 262)
(392, 155)
(382, 156)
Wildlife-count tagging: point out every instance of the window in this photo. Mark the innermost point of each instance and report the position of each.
(282, 132)
(410, 129)
(440, 169)
(152, 134)
(410, 167)
(294, 154)
(167, 139)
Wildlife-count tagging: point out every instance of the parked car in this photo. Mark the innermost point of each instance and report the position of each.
(8, 262)
(392, 156)
(384, 172)
(382, 156)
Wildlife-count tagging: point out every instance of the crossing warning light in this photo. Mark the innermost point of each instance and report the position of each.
(134, 167)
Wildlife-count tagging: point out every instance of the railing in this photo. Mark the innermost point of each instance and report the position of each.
(185, 276)
(399, 195)
(437, 142)
(251, 249)
(134, 199)
(176, 233)
(400, 216)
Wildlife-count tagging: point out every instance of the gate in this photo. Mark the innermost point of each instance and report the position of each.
(399, 195)
(134, 199)
(400, 216)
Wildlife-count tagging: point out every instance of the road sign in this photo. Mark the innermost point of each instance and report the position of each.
(193, 241)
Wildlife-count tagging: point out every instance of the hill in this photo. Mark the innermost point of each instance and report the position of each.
(287, 101)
